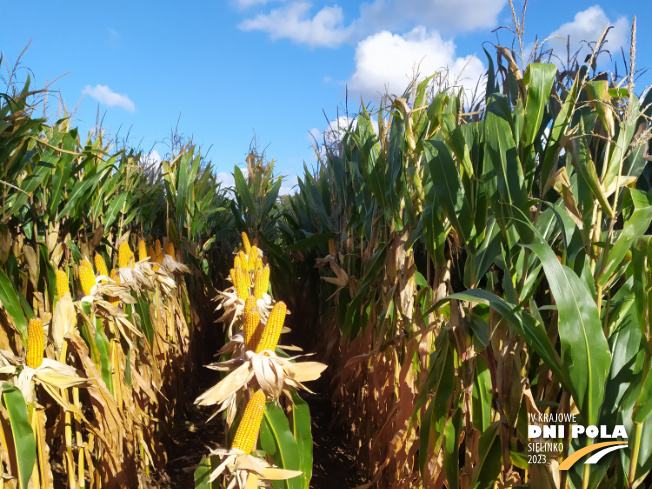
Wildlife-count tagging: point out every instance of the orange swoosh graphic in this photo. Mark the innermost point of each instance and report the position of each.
(570, 461)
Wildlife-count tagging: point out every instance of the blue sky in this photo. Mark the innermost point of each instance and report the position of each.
(233, 70)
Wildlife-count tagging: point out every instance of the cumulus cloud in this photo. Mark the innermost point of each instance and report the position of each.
(106, 96)
(289, 185)
(293, 22)
(242, 4)
(151, 159)
(328, 27)
(386, 61)
(587, 26)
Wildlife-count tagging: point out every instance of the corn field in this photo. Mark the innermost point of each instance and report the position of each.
(460, 274)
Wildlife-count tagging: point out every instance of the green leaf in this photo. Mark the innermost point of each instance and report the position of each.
(11, 302)
(486, 472)
(538, 79)
(634, 227)
(279, 443)
(532, 331)
(23, 436)
(303, 434)
(584, 349)
(243, 189)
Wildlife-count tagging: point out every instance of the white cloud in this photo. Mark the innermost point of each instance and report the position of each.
(443, 15)
(293, 22)
(327, 28)
(149, 159)
(387, 61)
(289, 185)
(588, 26)
(106, 96)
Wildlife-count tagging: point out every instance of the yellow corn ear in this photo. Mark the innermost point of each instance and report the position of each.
(261, 282)
(245, 242)
(253, 258)
(142, 250)
(259, 263)
(241, 286)
(170, 249)
(243, 261)
(100, 265)
(245, 437)
(331, 247)
(272, 331)
(251, 330)
(63, 285)
(157, 247)
(236, 262)
(86, 276)
(125, 255)
(35, 343)
(115, 276)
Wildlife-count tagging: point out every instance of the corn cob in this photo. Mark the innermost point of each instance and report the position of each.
(261, 282)
(237, 263)
(100, 265)
(157, 247)
(153, 258)
(272, 331)
(35, 343)
(125, 255)
(259, 262)
(245, 242)
(115, 276)
(251, 329)
(245, 437)
(170, 249)
(241, 286)
(62, 283)
(86, 276)
(243, 260)
(331, 247)
(142, 250)
(253, 258)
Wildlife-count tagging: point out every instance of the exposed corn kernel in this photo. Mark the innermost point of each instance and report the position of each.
(100, 265)
(245, 437)
(125, 255)
(142, 250)
(63, 285)
(261, 282)
(245, 242)
(86, 276)
(35, 343)
(272, 331)
(251, 328)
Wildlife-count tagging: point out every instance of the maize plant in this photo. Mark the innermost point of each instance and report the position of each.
(487, 271)
(254, 362)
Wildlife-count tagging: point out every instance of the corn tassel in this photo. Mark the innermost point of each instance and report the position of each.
(261, 282)
(142, 250)
(245, 437)
(86, 276)
(245, 242)
(251, 323)
(35, 343)
(125, 255)
(63, 285)
(100, 265)
(241, 286)
(272, 331)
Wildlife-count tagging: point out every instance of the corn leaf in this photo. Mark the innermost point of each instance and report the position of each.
(23, 436)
